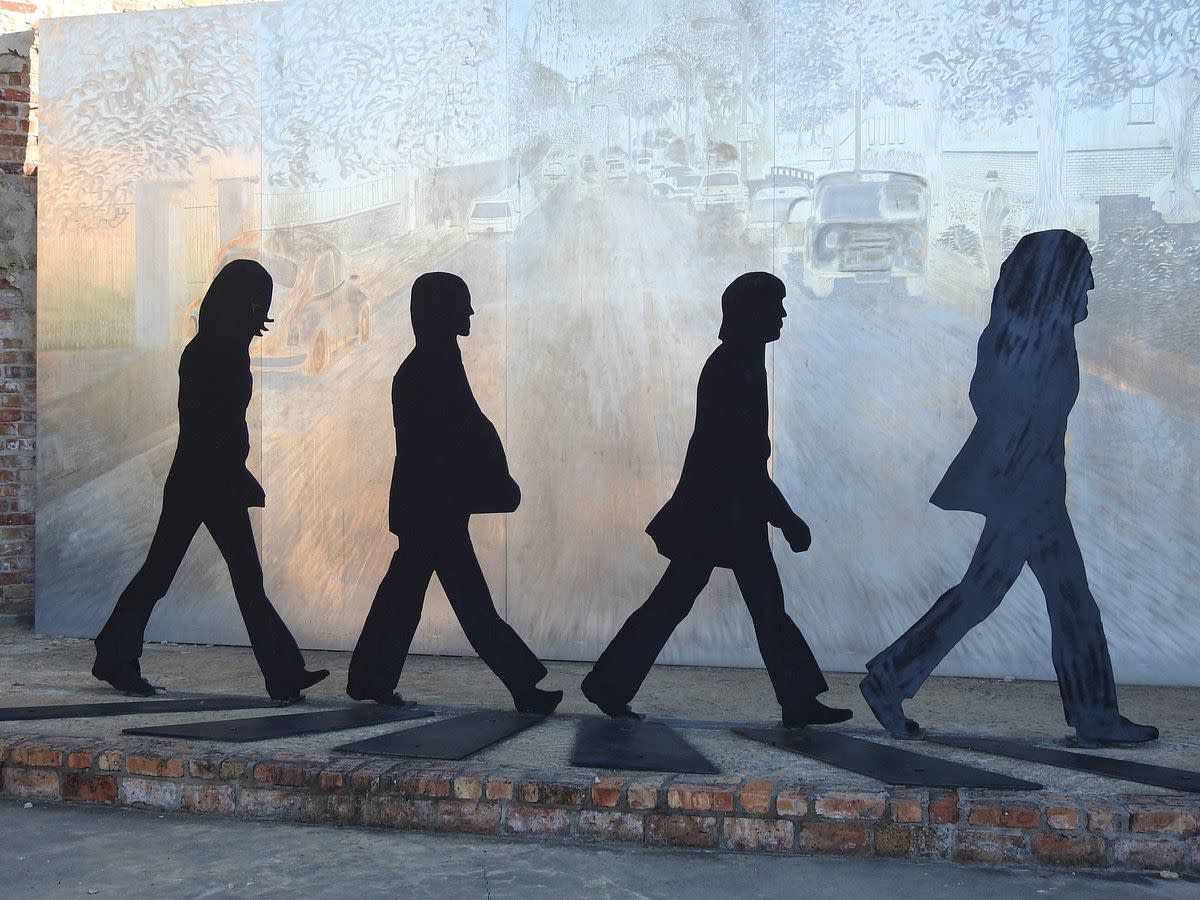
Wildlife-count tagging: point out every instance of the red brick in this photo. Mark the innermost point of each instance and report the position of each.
(642, 795)
(464, 815)
(203, 767)
(149, 792)
(702, 798)
(35, 755)
(331, 781)
(774, 835)
(537, 820)
(791, 803)
(1147, 854)
(989, 847)
(399, 812)
(898, 841)
(943, 808)
(343, 809)
(154, 766)
(1068, 850)
(88, 787)
(607, 791)
(34, 784)
(841, 838)
(1180, 822)
(81, 759)
(558, 793)
(906, 812)
(369, 777)
(682, 831)
(209, 798)
(1004, 816)
(499, 789)
(422, 786)
(612, 826)
(110, 760)
(755, 797)
(282, 773)
(468, 789)
(1105, 819)
(843, 805)
(232, 769)
(1063, 818)
(272, 803)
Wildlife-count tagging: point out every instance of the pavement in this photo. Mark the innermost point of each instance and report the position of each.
(63, 851)
(703, 702)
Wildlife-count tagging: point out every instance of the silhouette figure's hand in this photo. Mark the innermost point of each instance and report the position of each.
(798, 536)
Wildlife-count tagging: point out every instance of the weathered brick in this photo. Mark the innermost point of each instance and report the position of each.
(81, 758)
(845, 805)
(31, 783)
(611, 825)
(703, 798)
(774, 835)
(755, 797)
(906, 811)
(791, 803)
(468, 789)
(642, 795)
(209, 798)
(332, 780)
(1063, 818)
(150, 792)
(110, 760)
(272, 803)
(370, 776)
(154, 766)
(555, 792)
(537, 820)
(499, 789)
(203, 767)
(943, 808)
(400, 812)
(682, 831)
(89, 787)
(1142, 853)
(1069, 850)
(1105, 818)
(607, 791)
(430, 786)
(896, 841)
(282, 773)
(1008, 816)
(1165, 820)
(990, 847)
(35, 755)
(232, 769)
(842, 838)
(468, 816)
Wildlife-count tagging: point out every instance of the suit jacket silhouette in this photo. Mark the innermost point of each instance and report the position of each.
(450, 462)
(215, 386)
(725, 497)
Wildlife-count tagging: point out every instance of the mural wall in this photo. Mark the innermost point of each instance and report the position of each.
(597, 173)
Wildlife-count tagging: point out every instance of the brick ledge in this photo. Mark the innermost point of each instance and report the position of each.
(1123, 832)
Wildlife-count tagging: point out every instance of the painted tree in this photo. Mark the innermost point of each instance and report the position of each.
(1119, 45)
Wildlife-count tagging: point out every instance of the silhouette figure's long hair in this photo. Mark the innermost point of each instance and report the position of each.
(743, 303)
(225, 313)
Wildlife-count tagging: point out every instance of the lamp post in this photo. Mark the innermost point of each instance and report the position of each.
(743, 89)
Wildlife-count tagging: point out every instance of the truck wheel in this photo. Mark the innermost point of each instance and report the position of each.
(318, 353)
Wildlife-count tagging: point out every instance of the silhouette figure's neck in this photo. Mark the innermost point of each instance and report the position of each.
(439, 343)
(747, 348)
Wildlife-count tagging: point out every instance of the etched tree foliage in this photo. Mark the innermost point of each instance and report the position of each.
(145, 99)
(357, 88)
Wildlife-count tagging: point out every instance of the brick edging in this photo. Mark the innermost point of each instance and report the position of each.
(1128, 832)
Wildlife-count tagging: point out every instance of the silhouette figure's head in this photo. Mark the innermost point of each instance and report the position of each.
(235, 308)
(1044, 283)
(752, 308)
(441, 307)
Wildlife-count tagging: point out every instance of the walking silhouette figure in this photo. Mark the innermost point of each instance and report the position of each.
(718, 518)
(209, 485)
(450, 464)
(1012, 470)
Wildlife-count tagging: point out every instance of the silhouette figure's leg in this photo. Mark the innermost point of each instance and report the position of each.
(791, 665)
(493, 639)
(119, 643)
(627, 659)
(1078, 645)
(388, 631)
(999, 557)
(275, 649)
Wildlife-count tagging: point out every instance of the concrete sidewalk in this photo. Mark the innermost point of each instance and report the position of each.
(764, 799)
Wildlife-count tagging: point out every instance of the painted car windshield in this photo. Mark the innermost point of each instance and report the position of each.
(724, 179)
(871, 202)
(490, 211)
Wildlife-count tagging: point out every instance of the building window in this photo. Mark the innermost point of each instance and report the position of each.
(1141, 106)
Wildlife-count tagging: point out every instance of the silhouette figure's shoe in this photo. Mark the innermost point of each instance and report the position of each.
(307, 678)
(124, 678)
(1118, 730)
(538, 701)
(384, 699)
(885, 704)
(608, 707)
(814, 713)
(289, 700)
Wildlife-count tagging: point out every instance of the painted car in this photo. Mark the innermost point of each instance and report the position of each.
(614, 169)
(493, 215)
(554, 171)
(319, 310)
(871, 226)
(663, 187)
(720, 188)
(773, 207)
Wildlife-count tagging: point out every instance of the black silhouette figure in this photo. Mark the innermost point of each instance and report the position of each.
(718, 517)
(1012, 470)
(450, 464)
(209, 485)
